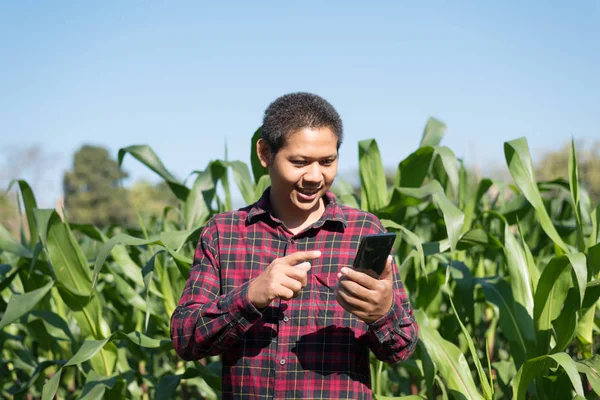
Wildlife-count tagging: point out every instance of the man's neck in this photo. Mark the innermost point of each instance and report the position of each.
(296, 222)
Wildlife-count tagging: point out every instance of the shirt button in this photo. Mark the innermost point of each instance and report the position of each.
(285, 319)
(282, 361)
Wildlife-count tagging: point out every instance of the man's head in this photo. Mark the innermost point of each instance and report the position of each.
(292, 112)
(299, 145)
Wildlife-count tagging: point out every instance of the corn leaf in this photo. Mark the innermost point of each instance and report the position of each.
(258, 171)
(521, 169)
(373, 187)
(487, 386)
(91, 348)
(413, 170)
(591, 368)
(433, 133)
(449, 360)
(574, 186)
(148, 157)
(8, 244)
(515, 322)
(533, 368)
(242, 177)
(70, 265)
(170, 241)
(553, 286)
(21, 304)
(30, 205)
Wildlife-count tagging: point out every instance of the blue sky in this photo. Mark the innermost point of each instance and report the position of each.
(186, 77)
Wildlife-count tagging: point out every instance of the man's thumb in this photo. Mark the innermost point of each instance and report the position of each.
(387, 271)
(304, 265)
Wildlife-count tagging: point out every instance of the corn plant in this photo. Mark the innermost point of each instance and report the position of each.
(503, 277)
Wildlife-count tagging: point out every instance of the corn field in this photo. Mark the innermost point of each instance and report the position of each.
(504, 279)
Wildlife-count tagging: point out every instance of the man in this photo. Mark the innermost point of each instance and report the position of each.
(272, 289)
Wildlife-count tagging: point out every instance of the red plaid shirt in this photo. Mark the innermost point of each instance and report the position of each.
(305, 348)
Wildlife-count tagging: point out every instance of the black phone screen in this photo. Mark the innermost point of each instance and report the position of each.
(373, 252)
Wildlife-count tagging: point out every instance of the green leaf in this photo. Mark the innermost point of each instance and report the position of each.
(534, 367)
(70, 265)
(518, 270)
(373, 187)
(8, 244)
(168, 383)
(551, 294)
(534, 272)
(486, 386)
(585, 329)
(257, 169)
(565, 326)
(450, 362)
(263, 183)
(472, 204)
(515, 322)
(433, 133)
(197, 205)
(242, 177)
(591, 368)
(413, 170)
(148, 157)
(345, 193)
(90, 348)
(129, 293)
(411, 238)
(96, 385)
(119, 252)
(521, 169)
(175, 239)
(105, 360)
(55, 324)
(595, 234)
(574, 186)
(21, 304)
(453, 217)
(85, 352)
(446, 166)
(30, 205)
(148, 273)
(144, 341)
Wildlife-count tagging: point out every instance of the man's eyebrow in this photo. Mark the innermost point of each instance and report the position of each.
(330, 156)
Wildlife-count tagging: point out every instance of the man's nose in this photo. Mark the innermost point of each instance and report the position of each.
(313, 173)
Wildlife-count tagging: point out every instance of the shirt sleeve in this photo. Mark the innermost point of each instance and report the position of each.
(206, 323)
(394, 336)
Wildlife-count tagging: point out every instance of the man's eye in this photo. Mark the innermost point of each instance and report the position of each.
(326, 162)
(299, 162)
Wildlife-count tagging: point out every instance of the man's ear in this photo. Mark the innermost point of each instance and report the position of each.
(263, 152)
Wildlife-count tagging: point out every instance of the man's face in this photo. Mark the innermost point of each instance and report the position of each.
(302, 170)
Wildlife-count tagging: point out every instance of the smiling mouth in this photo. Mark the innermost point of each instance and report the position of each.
(308, 192)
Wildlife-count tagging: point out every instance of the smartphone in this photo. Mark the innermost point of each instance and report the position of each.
(373, 252)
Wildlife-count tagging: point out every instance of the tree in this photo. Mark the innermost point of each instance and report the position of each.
(555, 164)
(92, 191)
(150, 200)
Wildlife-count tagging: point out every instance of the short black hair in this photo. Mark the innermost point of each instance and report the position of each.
(294, 111)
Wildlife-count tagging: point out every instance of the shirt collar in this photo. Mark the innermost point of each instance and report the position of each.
(333, 210)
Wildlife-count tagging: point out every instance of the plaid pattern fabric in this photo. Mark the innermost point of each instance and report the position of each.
(305, 348)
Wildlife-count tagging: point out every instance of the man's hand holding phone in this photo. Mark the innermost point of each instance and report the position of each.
(363, 295)
(366, 290)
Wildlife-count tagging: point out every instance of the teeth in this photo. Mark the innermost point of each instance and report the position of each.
(308, 192)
